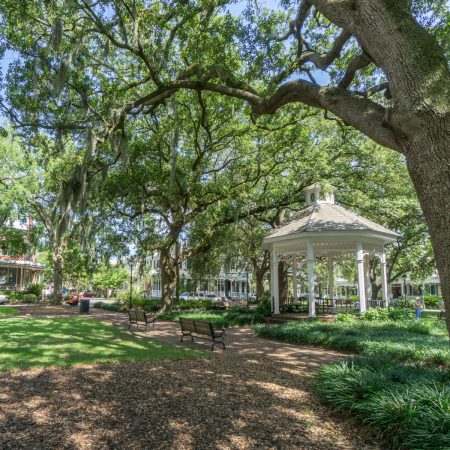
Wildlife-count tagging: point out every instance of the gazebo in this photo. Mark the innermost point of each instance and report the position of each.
(325, 230)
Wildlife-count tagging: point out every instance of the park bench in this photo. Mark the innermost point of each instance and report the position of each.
(136, 316)
(202, 329)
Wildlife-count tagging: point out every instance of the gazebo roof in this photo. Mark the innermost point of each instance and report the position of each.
(324, 217)
(329, 217)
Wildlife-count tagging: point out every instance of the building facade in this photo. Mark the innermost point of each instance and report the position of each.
(18, 271)
(231, 282)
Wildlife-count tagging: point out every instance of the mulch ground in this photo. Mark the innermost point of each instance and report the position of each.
(228, 401)
(217, 403)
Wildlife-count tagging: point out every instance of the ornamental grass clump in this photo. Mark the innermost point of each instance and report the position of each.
(399, 386)
(408, 406)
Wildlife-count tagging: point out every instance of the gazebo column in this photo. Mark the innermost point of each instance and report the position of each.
(384, 283)
(310, 265)
(294, 278)
(330, 279)
(361, 284)
(274, 290)
(367, 284)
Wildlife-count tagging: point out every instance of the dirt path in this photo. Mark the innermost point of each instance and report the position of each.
(255, 395)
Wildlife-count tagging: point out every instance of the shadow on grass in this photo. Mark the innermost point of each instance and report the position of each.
(35, 342)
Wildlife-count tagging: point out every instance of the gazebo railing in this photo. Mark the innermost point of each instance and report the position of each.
(292, 305)
(335, 306)
(376, 304)
(325, 306)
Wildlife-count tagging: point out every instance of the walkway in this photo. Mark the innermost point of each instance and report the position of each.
(243, 342)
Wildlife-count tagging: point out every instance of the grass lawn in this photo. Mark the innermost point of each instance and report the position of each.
(7, 311)
(219, 319)
(398, 386)
(33, 342)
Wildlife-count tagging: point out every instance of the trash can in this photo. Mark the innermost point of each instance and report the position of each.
(84, 305)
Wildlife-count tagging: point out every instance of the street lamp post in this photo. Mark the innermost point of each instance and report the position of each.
(130, 262)
(404, 287)
(247, 286)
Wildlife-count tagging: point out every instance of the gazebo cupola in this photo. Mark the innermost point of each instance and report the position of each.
(325, 229)
(314, 194)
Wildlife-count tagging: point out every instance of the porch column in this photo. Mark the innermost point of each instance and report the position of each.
(294, 278)
(384, 284)
(330, 278)
(275, 295)
(310, 265)
(361, 286)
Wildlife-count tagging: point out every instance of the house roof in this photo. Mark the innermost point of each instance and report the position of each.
(327, 217)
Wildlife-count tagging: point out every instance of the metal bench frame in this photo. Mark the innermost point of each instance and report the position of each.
(203, 330)
(136, 316)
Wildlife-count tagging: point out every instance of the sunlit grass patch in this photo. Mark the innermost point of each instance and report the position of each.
(7, 311)
(35, 342)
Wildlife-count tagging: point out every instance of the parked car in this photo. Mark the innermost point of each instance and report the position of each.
(185, 296)
(87, 295)
(213, 297)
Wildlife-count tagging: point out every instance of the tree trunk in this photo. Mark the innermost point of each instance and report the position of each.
(168, 279)
(426, 160)
(177, 271)
(58, 265)
(260, 283)
(375, 290)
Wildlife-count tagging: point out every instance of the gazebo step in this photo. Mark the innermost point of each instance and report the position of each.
(287, 317)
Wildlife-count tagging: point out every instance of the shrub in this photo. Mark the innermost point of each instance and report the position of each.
(264, 307)
(146, 305)
(409, 303)
(433, 301)
(375, 314)
(29, 298)
(195, 304)
(346, 318)
(35, 288)
(237, 315)
(14, 296)
(116, 306)
(386, 314)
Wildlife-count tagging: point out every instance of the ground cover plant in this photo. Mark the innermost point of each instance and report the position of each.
(69, 341)
(220, 319)
(398, 385)
(7, 311)
(423, 341)
(406, 405)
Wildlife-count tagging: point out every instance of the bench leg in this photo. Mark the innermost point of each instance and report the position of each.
(217, 342)
(186, 334)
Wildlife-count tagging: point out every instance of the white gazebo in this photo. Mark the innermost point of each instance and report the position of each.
(326, 230)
